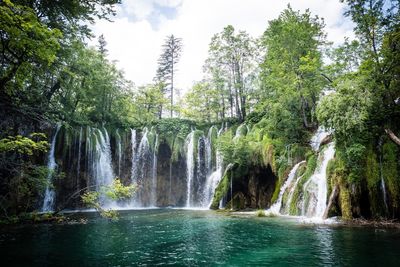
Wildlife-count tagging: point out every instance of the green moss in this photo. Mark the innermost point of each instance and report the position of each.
(390, 172)
(311, 166)
(329, 174)
(178, 148)
(260, 213)
(373, 181)
(345, 200)
(222, 189)
(337, 175)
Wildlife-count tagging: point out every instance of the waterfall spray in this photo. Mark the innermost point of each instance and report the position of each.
(276, 207)
(49, 196)
(190, 164)
(78, 164)
(153, 193)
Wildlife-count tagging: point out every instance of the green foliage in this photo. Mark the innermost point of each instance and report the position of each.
(372, 174)
(116, 191)
(205, 110)
(260, 213)
(24, 145)
(235, 151)
(26, 44)
(347, 110)
(290, 76)
(231, 71)
(390, 169)
(222, 187)
(311, 166)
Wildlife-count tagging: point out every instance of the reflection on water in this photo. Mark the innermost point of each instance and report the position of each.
(325, 248)
(184, 237)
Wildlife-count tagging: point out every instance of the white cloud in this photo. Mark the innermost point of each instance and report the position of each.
(136, 44)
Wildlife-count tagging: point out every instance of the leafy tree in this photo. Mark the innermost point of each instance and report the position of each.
(231, 59)
(147, 102)
(172, 50)
(291, 77)
(201, 103)
(25, 44)
(22, 180)
(116, 192)
(102, 45)
(377, 27)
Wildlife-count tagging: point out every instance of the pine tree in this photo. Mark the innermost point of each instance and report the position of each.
(102, 45)
(167, 64)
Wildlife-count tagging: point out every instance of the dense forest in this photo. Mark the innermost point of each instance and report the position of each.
(269, 95)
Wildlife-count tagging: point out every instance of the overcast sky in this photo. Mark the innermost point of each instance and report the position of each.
(138, 31)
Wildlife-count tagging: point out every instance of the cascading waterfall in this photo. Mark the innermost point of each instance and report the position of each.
(102, 165)
(153, 193)
(315, 189)
(49, 196)
(318, 137)
(276, 207)
(190, 165)
(78, 164)
(119, 151)
(88, 155)
(212, 182)
(98, 159)
(143, 159)
(134, 157)
(383, 186)
(213, 175)
(290, 194)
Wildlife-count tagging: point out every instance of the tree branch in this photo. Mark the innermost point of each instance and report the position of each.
(392, 136)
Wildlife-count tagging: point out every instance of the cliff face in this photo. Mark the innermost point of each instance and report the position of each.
(171, 178)
(161, 171)
(253, 190)
(249, 188)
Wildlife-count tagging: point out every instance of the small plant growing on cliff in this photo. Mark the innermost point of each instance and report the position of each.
(117, 192)
(260, 213)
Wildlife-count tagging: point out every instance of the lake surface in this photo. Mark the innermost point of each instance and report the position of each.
(184, 237)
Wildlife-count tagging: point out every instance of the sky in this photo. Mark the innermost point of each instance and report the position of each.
(136, 34)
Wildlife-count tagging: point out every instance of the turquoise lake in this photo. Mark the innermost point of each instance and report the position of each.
(192, 238)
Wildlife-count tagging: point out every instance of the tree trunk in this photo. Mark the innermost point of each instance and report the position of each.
(231, 99)
(392, 136)
(332, 199)
(172, 85)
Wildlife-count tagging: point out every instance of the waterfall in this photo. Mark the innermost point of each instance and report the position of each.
(78, 164)
(134, 157)
(383, 186)
(240, 131)
(48, 202)
(315, 189)
(231, 191)
(190, 165)
(102, 165)
(142, 159)
(318, 137)
(118, 151)
(276, 207)
(212, 182)
(208, 148)
(88, 155)
(290, 195)
(170, 181)
(153, 186)
(213, 176)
